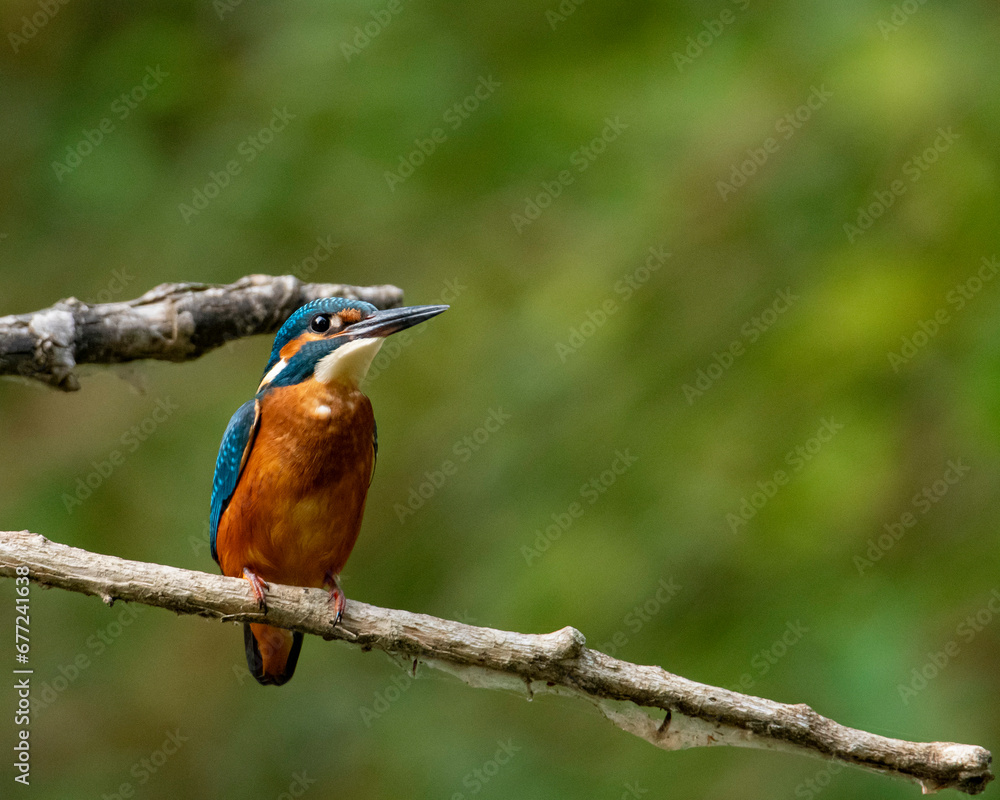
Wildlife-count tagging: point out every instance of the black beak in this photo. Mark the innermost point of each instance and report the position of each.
(392, 320)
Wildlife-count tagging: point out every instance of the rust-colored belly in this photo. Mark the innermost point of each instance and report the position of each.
(297, 508)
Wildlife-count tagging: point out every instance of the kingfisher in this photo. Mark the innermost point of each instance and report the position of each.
(296, 462)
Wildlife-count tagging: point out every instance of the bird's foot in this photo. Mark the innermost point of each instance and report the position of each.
(337, 599)
(257, 587)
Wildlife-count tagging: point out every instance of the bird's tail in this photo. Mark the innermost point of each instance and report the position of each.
(272, 653)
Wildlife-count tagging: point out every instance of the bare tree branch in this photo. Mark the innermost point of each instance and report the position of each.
(171, 322)
(690, 714)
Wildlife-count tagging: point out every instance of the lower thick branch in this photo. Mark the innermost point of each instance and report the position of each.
(689, 714)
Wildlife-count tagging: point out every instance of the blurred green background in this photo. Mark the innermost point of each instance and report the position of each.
(733, 197)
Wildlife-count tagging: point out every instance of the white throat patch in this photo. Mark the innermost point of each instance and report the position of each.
(349, 363)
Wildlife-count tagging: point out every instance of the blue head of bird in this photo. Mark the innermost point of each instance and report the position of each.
(334, 339)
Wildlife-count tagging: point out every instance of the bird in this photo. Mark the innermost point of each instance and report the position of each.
(295, 464)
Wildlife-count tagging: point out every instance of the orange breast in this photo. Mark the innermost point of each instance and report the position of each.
(297, 508)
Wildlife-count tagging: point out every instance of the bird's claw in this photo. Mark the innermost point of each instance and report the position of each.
(337, 598)
(257, 587)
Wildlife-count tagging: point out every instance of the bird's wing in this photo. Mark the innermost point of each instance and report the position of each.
(233, 454)
(375, 448)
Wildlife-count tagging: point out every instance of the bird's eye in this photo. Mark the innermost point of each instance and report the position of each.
(320, 323)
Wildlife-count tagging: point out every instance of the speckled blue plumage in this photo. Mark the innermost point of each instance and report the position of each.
(236, 441)
(298, 322)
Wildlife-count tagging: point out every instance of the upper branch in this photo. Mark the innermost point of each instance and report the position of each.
(693, 714)
(171, 322)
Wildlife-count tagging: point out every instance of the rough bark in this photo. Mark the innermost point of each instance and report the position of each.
(687, 714)
(171, 322)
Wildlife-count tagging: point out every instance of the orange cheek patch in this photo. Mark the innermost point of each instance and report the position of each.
(293, 346)
(350, 315)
